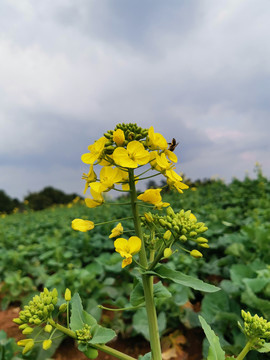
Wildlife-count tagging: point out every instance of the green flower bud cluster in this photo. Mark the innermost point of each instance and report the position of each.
(131, 132)
(256, 329)
(185, 225)
(37, 311)
(84, 335)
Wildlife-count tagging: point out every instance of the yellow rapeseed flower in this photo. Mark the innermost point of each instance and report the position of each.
(134, 155)
(127, 248)
(152, 196)
(175, 181)
(96, 191)
(96, 150)
(90, 177)
(109, 176)
(119, 137)
(82, 225)
(156, 141)
(171, 156)
(118, 230)
(162, 162)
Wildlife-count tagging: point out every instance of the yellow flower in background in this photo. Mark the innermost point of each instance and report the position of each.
(118, 230)
(82, 225)
(134, 155)
(156, 141)
(152, 196)
(127, 248)
(96, 150)
(90, 177)
(119, 137)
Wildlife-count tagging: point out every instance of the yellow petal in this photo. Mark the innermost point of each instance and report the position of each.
(126, 262)
(120, 157)
(82, 225)
(119, 137)
(120, 244)
(134, 243)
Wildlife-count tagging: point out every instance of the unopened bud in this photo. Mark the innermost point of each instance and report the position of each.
(167, 252)
(167, 235)
(28, 346)
(183, 238)
(67, 295)
(192, 233)
(148, 217)
(47, 344)
(196, 254)
(201, 240)
(206, 246)
(27, 330)
(17, 321)
(63, 308)
(48, 328)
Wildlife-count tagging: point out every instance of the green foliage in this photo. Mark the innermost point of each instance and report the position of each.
(215, 350)
(49, 253)
(8, 347)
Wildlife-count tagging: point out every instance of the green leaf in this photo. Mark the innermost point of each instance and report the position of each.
(248, 297)
(101, 335)
(183, 279)
(147, 356)
(215, 350)
(214, 304)
(265, 348)
(137, 295)
(76, 319)
(88, 318)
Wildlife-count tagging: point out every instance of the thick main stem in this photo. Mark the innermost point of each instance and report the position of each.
(244, 352)
(147, 280)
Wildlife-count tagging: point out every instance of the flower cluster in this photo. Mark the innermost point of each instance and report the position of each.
(182, 225)
(84, 335)
(37, 311)
(256, 329)
(128, 147)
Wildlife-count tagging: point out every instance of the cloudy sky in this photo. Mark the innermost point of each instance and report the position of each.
(198, 71)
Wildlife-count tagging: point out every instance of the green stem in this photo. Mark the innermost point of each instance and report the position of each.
(147, 280)
(113, 221)
(244, 352)
(104, 348)
(121, 309)
(68, 314)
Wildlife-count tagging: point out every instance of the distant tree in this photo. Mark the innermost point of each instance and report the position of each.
(48, 197)
(7, 204)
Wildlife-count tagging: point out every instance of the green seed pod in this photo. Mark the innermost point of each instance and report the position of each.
(91, 353)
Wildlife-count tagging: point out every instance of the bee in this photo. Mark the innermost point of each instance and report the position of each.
(172, 145)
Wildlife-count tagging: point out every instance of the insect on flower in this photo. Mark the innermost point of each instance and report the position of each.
(172, 145)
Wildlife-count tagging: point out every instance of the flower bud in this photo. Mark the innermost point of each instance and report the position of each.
(167, 235)
(206, 246)
(27, 330)
(28, 346)
(47, 344)
(196, 254)
(201, 240)
(67, 295)
(167, 252)
(17, 321)
(63, 308)
(183, 238)
(48, 328)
